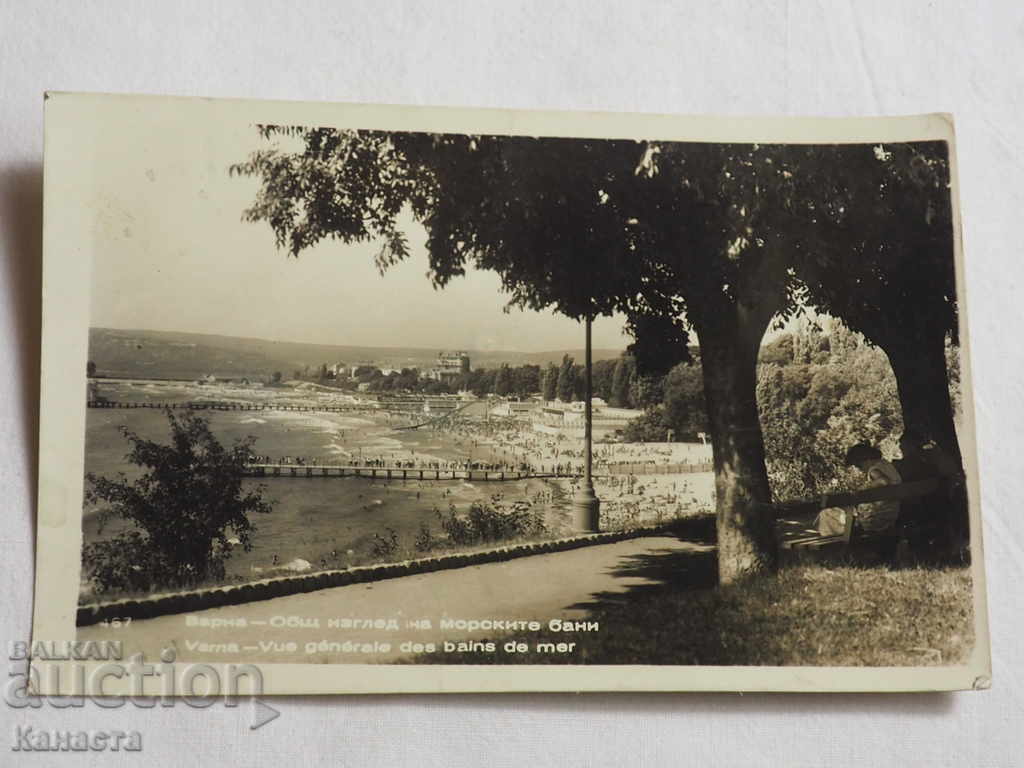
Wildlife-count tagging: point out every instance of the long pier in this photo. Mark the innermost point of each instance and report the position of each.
(420, 473)
(653, 468)
(393, 473)
(206, 405)
(201, 405)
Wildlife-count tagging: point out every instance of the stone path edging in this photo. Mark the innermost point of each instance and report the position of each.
(187, 601)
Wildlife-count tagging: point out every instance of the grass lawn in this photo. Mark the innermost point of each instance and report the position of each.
(810, 615)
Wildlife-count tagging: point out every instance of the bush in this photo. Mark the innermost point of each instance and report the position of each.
(181, 511)
(126, 562)
(385, 546)
(485, 523)
(424, 541)
(811, 413)
(649, 427)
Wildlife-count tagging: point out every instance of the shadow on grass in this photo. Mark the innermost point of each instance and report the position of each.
(699, 529)
(669, 610)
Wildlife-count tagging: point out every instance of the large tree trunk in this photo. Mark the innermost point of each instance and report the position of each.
(729, 344)
(918, 359)
(917, 356)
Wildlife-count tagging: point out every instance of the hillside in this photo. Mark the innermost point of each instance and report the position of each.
(172, 355)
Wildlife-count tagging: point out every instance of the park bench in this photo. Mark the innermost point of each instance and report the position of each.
(799, 540)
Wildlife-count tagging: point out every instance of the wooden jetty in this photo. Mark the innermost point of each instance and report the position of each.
(209, 405)
(392, 472)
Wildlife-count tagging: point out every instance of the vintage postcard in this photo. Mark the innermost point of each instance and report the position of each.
(356, 399)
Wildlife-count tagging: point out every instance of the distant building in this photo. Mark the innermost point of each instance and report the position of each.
(341, 370)
(567, 419)
(596, 404)
(515, 409)
(440, 406)
(450, 365)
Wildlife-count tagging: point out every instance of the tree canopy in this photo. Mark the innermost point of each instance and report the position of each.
(567, 380)
(558, 234)
(722, 238)
(550, 383)
(874, 246)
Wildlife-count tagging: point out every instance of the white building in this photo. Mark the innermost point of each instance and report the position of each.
(450, 365)
(516, 410)
(569, 419)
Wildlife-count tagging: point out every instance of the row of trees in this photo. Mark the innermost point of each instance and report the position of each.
(506, 380)
(717, 238)
(616, 381)
(817, 394)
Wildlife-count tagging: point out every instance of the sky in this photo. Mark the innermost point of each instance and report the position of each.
(171, 253)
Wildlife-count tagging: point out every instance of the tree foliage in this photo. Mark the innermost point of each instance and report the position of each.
(873, 244)
(603, 377)
(558, 234)
(811, 413)
(778, 352)
(679, 406)
(550, 390)
(503, 381)
(180, 513)
(878, 217)
(567, 380)
(685, 410)
(670, 234)
(621, 378)
(721, 238)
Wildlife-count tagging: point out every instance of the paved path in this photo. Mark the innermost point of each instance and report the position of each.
(538, 588)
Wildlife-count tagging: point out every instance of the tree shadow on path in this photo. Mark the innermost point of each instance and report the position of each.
(692, 566)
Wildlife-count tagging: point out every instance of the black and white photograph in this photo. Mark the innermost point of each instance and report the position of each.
(547, 402)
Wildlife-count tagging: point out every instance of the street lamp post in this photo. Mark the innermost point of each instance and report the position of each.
(586, 506)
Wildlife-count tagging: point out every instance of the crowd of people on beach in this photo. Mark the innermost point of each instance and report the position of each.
(671, 480)
(559, 454)
(508, 445)
(385, 462)
(638, 484)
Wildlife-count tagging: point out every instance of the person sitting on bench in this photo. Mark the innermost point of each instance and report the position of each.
(871, 517)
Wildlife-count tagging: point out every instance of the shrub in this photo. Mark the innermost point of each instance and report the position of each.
(385, 546)
(126, 562)
(811, 413)
(649, 427)
(181, 510)
(485, 523)
(424, 541)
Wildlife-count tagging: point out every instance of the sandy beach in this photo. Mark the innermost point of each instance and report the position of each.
(335, 522)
